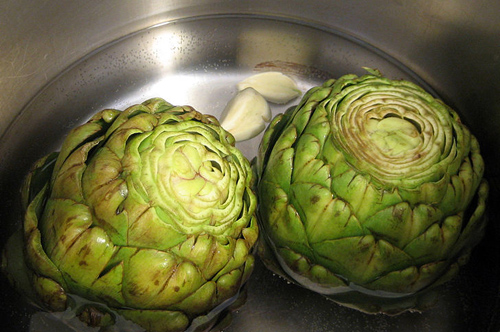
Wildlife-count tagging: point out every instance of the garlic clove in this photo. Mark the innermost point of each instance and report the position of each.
(246, 114)
(274, 86)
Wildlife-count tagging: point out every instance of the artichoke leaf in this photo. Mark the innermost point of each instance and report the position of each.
(361, 259)
(198, 302)
(306, 161)
(85, 259)
(436, 242)
(325, 217)
(95, 127)
(400, 223)
(50, 293)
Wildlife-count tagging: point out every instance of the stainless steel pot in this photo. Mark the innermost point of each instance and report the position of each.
(111, 53)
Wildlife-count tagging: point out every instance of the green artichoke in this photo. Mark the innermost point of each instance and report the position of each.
(149, 211)
(370, 191)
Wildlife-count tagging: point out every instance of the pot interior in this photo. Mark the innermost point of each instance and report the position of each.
(198, 62)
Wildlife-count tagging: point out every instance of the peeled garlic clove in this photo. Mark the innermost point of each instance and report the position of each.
(246, 114)
(273, 86)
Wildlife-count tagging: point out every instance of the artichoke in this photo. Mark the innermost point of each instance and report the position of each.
(148, 211)
(371, 192)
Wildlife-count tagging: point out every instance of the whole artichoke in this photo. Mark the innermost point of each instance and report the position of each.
(370, 192)
(149, 211)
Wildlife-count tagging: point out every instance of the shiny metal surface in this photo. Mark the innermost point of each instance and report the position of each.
(55, 73)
